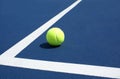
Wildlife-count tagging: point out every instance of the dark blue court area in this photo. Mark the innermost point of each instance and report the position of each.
(92, 35)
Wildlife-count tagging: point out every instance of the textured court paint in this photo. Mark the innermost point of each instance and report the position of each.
(18, 47)
(81, 69)
(91, 70)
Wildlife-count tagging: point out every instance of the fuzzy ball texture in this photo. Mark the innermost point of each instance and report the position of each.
(55, 36)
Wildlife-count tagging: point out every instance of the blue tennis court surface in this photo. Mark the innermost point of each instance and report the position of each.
(92, 39)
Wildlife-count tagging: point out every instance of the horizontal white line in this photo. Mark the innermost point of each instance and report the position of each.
(6, 57)
(81, 69)
(18, 47)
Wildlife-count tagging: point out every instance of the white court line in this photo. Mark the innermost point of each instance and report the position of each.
(80, 69)
(7, 58)
(18, 47)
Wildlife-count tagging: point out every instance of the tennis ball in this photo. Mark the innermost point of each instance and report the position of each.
(55, 36)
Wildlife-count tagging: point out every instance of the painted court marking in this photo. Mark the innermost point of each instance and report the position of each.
(18, 47)
(63, 67)
(8, 57)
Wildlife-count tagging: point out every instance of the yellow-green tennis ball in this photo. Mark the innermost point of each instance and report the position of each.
(55, 36)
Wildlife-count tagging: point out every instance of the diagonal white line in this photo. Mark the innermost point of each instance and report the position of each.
(18, 47)
(81, 69)
(7, 58)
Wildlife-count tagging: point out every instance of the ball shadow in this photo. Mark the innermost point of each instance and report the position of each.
(47, 46)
